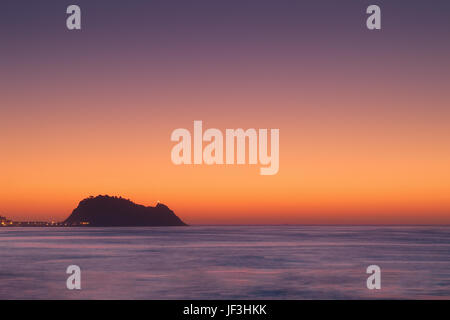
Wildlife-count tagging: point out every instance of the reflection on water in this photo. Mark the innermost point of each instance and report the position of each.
(233, 262)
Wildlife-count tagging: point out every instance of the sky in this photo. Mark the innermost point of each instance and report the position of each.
(363, 115)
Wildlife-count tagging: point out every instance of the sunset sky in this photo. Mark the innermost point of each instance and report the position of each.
(364, 116)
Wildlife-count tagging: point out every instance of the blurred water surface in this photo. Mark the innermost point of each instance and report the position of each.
(226, 262)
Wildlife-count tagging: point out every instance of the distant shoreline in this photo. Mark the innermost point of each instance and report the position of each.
(108, 211)
(64, 225)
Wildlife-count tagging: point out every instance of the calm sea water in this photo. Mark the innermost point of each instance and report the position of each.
(233, 262)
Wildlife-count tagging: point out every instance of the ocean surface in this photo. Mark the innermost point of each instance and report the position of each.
(226, 262)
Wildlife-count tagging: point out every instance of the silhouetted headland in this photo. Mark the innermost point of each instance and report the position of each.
(106, 211)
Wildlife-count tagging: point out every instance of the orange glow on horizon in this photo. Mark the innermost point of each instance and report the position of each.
(343, 158)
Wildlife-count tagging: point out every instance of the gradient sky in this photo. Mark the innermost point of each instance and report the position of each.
(363, 115)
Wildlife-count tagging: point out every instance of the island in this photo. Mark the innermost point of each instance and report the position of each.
(108, 211)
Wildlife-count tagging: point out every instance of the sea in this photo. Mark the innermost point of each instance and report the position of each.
(226, 262)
